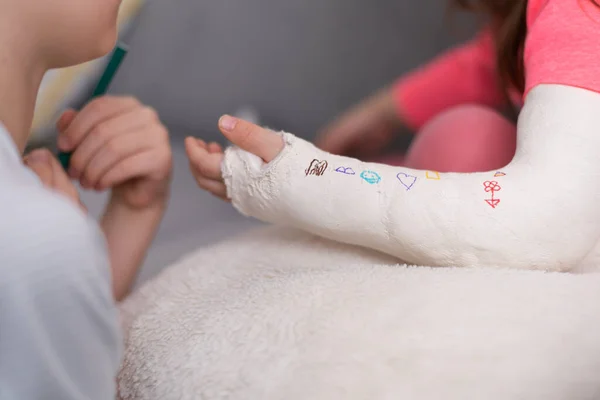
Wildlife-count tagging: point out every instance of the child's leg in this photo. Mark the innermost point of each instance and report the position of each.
(464, 139)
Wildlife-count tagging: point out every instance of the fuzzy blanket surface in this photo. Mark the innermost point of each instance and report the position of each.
(279, 314)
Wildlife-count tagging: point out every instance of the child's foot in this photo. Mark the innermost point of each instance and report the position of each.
(205, 159)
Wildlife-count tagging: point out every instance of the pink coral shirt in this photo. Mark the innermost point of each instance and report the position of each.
(562, 47)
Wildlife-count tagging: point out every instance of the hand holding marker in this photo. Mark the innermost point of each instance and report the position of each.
(107, 76)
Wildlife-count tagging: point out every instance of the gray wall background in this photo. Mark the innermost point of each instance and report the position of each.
(298, 62)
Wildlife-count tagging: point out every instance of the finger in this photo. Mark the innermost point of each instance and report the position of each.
(195, 148)
(62, 183)
(264, 143)
(201, 143)
(217, 188)
(39, 162)
(215, 148)
(105, 134)
(204, 163)
(51, 173)
(65, 120)
(136, 166)
(114, 151)
(98, 110)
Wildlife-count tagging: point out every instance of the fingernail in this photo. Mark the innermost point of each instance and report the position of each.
(227, 123)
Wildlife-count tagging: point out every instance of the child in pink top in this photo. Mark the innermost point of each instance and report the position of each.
(453, 101)
(453, 104)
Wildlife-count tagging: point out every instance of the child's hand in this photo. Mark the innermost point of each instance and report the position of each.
(364, 130)
(205, 159)
(52, 175)
(118, 143)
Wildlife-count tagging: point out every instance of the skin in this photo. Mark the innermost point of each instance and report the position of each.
(361, 132)
(365, 129)
(205, 159)
(117, 143)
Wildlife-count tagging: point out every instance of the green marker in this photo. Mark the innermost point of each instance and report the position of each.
(109, 73)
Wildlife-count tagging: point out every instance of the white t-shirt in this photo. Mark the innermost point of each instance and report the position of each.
(59, 333)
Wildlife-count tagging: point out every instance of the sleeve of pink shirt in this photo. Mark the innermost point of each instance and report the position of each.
(563, 44)
(464, 75)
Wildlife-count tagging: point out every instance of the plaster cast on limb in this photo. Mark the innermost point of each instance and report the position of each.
(539, 212)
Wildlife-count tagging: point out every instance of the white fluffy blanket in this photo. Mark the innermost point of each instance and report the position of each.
(279, 314)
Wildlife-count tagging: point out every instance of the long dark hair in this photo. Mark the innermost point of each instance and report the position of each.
(508, 19)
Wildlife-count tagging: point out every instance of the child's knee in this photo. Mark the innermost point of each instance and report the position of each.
(467, 138)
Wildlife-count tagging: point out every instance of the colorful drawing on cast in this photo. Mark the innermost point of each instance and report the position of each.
(499, 174)
(433, 175)
(492, 187)
(406, 180)
(371, 177)
(345, 170)
(316, 168)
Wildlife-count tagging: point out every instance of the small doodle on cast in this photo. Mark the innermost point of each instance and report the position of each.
(406, 180)
(345, 170)
(316, 168)
(433, 175)
(499, 174)
(492, 187)
(493, 202)
(370, 177)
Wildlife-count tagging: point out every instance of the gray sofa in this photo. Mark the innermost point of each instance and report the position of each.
(298, 63)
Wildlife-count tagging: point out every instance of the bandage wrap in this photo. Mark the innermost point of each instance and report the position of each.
(538, 212)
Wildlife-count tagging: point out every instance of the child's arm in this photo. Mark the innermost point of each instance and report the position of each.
(121, 145)
(466, 74)
(463, 75)
(539, 212)
(129, 232)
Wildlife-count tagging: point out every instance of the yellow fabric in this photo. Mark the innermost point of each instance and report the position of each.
(60, 84)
